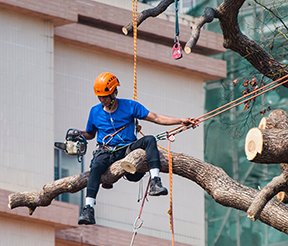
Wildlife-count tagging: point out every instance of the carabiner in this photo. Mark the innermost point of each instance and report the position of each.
(110, 136)
(162, 136)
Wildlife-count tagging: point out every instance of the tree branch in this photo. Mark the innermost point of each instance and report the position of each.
(261, 151)
(214, 180)
(152, 12)
(265, 195)
(235, 40)
(207, 17)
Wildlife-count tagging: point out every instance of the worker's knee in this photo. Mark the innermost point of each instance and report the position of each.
(149, 140)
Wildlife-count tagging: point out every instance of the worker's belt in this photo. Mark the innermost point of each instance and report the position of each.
(109, 148)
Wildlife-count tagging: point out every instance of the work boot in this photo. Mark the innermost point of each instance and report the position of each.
(87, 216)
(156, 188)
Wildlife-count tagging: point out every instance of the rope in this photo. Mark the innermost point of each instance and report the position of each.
(134, 20)
(134, 17)
(170, 134)
(139, 222)
(170, 211)
(249, 96)
(108, 138)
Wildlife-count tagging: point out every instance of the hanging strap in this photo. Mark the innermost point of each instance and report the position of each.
(176, 49)
(176, 19)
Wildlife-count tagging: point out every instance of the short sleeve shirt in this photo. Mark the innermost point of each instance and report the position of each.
(105, 123)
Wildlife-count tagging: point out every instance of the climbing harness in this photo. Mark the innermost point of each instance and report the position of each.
(176, 49)
(247, 97)
(139, 222)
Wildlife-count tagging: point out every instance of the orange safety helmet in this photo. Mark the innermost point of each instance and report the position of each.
(105, 84)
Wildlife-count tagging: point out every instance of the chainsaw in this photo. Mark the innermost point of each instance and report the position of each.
(74, 144)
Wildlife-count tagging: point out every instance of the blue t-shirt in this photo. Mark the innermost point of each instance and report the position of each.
(105, 123)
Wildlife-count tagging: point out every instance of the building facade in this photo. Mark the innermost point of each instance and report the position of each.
(51, 52)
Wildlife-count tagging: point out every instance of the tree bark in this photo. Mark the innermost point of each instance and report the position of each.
(213, 180)
(267, 144)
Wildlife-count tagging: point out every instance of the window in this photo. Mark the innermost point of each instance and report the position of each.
(67, 165)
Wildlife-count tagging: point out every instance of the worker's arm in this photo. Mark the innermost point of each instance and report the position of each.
(167, 120)
(88, 135)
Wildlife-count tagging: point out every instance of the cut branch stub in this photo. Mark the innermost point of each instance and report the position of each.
(282, 197)
(267, 145)
(130, 162)
(278, 118)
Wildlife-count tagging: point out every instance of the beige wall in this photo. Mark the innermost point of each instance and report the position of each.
(26, 101)
(20, 233)
(26, 118)
(160, 89)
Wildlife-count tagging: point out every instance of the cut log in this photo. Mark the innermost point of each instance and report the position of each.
(267, 146)
(264, 145)
(130, 162)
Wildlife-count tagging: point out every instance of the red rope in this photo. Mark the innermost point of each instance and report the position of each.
(138, 222)
(228, 106)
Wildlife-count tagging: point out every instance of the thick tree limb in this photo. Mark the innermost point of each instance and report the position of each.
(266, 144)
(214, 180)
(71, 184)
(234, 39)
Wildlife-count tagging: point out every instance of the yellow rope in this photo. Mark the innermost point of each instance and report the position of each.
(134, 16)
(170, 211)
(135, 97)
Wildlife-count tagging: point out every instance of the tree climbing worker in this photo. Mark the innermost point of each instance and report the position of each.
(113, 119)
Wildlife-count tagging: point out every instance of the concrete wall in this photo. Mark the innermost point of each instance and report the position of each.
(15, 233)
(26, 101)
(26, 118)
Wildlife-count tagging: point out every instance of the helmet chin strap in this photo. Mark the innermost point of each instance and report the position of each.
(112, 99)
(112, 102)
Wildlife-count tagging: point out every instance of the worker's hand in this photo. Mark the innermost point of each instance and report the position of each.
(185, 122)
(190, 121)
(74, 132)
